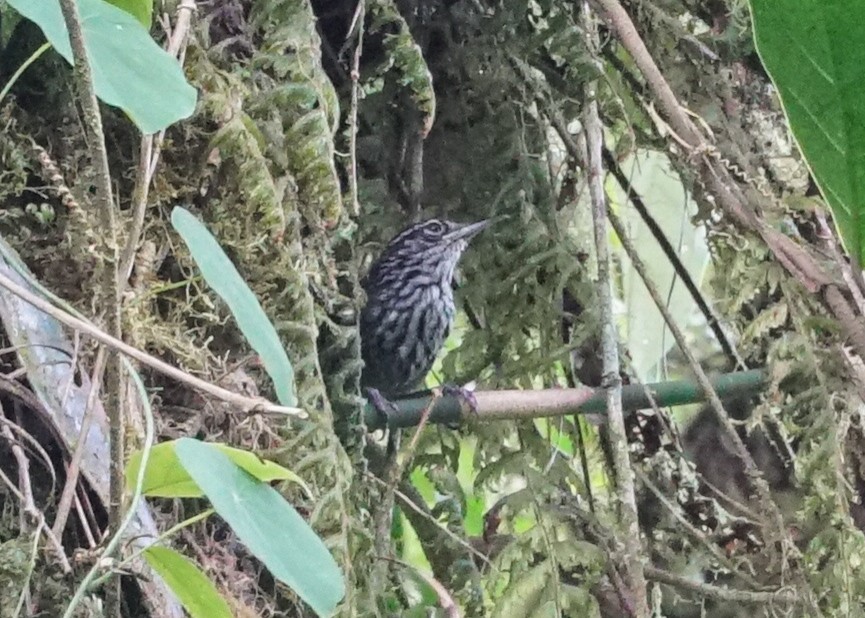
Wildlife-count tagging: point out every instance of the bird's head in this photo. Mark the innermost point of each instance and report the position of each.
(430, 248)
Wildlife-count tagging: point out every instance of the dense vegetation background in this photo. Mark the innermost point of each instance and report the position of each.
(307, 151)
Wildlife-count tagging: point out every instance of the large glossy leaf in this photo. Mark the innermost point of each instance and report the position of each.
(814, 54)
(130, 70)
(166, 478)
(195, 591)
(267, 524)
(223, 277)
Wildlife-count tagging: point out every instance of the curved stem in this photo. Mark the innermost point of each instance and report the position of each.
(33, 57)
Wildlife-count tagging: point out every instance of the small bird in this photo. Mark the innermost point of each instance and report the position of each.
(410, 304)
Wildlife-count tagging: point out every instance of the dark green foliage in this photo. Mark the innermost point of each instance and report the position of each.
(263, 164)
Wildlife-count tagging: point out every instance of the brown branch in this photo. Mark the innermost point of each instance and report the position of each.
(246, 404)
(357, 21)
(717, 178)
(633, 551)
(28, 504)
(769, 508)
(74, 466)
(149, 151)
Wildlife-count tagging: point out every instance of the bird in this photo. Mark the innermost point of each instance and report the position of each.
(410, 305)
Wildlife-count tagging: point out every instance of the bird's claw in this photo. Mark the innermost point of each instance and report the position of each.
(463, 394)
(381, 404)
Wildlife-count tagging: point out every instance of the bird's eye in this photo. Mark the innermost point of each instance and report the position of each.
(435, 227)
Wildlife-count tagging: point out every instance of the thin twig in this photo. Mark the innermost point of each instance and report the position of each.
(446, 601)
(73, 468)
(33, 445)
(409, 503)
(630, 529)
(755, 476)
(711, 591)
(727, 346)
(110, 297)
(149, 152)
(28, 505)
(131, 512)
(247, 404)
(393, 470)
(358, 18)
(139, 210)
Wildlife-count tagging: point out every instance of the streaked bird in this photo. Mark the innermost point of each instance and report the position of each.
(410, 304)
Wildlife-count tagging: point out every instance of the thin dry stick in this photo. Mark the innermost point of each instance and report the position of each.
(35, 446)
(359, 14)
(139, 210)
(109, 290)
(148, 157)
(446, 601)
(73, 468)
(769, 510)
(247, 404)
(717, 592)
(393, 471)
(408, 502)
(85, 518)
(177, 48)
(630, 528)
(28, 505)
(721, 184)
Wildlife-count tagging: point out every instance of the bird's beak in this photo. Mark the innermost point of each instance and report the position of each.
(468, 231)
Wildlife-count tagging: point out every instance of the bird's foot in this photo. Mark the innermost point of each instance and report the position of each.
(466, 397)
(382, 405)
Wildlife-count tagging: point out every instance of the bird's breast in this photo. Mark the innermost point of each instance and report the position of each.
(402, 334)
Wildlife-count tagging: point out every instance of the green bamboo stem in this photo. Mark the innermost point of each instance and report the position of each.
(516, 404)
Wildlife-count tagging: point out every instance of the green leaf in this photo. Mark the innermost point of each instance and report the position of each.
(223, 277)
(814, 54)
(406, 57)
(267, 524)
(166, 478)
(193, 588)
(130, 70)
(142, 10)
